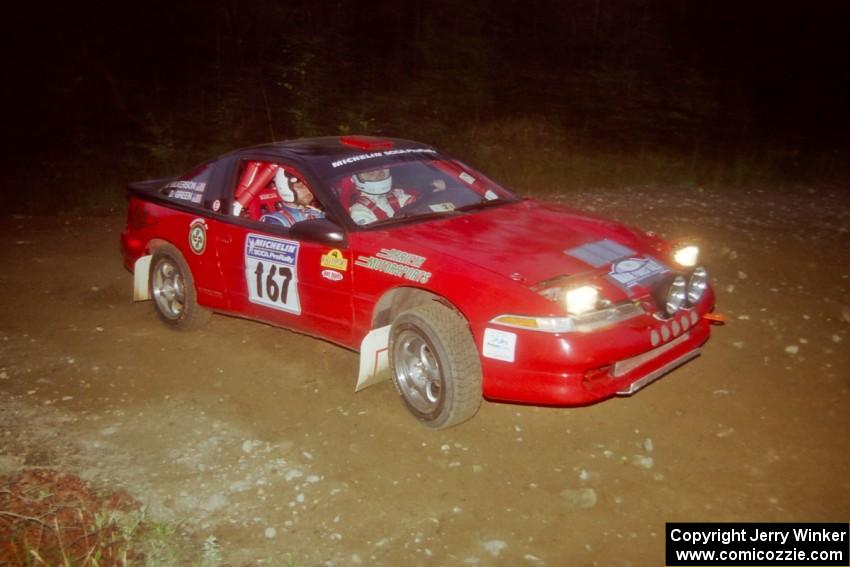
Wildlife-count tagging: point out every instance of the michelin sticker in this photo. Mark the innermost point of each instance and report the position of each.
(632, 271)
(500, 345)
(396, 263)
(372, 155)
(271, 272)
(198, 236)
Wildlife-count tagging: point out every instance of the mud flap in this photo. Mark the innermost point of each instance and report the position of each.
(374, 358)
(141, 269)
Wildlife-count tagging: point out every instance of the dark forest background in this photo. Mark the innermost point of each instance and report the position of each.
(546, 95)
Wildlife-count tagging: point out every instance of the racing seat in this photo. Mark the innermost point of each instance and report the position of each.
(255, 178)
(347, 192)
(264, 202)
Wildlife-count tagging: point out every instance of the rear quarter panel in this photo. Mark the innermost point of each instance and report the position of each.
(151, 224)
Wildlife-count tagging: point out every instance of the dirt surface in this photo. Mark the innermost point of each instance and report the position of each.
(255, 435)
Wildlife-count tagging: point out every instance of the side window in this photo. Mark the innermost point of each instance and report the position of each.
(273, 193)
(190, 186)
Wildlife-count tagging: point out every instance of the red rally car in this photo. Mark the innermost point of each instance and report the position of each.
(423, 264)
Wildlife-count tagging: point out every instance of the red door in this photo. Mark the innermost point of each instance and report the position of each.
(274, 278)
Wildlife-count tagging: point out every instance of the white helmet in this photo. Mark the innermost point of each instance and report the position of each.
(282, 184)
(374, 181)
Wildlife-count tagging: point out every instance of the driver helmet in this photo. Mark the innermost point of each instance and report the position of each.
(284, 187)
(374, 181)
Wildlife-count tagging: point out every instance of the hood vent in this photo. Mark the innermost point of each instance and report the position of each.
(600, 253)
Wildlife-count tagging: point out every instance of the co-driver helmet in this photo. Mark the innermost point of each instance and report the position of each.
(374, 181)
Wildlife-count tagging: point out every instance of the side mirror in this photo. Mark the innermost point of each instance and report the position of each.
(324, 231)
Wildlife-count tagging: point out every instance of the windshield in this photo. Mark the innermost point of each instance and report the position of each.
(392, 191)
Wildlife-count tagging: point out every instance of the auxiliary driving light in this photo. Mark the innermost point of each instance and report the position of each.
(697, 285)
(676, 295)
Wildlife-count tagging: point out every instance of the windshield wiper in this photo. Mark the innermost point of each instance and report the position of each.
(482, 203)
(485, 202)
(417, 216)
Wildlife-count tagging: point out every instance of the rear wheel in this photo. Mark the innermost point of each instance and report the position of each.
(173, 290)
(435, 365)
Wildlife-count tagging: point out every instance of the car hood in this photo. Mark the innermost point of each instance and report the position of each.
(528, 241)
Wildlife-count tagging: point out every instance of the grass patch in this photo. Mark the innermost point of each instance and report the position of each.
(51, 518)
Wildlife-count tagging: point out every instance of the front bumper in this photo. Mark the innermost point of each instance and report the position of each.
(573, 369)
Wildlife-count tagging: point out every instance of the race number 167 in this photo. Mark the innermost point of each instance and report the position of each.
(275, 283)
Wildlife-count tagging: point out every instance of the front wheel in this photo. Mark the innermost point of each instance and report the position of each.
(435, 365)
(173, 291)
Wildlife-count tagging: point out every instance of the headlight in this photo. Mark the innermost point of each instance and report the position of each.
(676, 295)
(686, 255)
(576, 300)
(581, 299)
(697, 285)
(583, 323)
